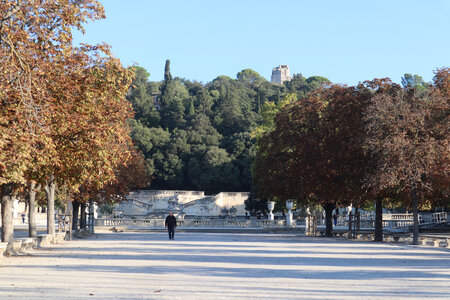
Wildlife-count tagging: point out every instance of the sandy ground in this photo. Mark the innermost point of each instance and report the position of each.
(225, 266)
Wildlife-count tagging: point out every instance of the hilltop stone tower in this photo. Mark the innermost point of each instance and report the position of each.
(280, 74)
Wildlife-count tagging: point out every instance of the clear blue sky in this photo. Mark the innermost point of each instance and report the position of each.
(345, 41)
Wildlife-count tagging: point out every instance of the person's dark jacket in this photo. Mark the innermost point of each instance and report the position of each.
(171, 222)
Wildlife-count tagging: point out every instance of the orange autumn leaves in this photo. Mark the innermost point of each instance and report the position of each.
(63, 108)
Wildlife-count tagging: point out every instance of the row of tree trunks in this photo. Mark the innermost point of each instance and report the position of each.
(329, 207)
(6, 197)
(379, 219)
(7, 211)
(78, 212)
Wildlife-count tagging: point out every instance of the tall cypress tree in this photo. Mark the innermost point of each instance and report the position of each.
(167, 75)
(167, 88)
(172, 115)
(190, 112)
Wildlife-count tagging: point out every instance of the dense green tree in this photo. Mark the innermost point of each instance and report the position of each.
(203, 102)
(255, 204)
(318, 80)
(142, 99)
(190, 112)
(242, 150)
(216, 171)
(250, 77)
(167, 74)
(298, 85)
(414, 81)
(200, 138)
(172, 94)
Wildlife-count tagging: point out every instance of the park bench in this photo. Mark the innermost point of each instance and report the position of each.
(44, 240)
(60, 236)
(14, 250)
(17, 244)
(397, 237)
(362, 234)
(365, 236)
(434, 240)
(116, 229)
(27, 245)
(337, 232)
(83, 233)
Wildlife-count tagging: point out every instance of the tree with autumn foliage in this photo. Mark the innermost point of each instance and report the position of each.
(31, 33)
(440, 175)
(315, 152)
(128, 175)
(90, 125)
(407, 132)
(64, 116)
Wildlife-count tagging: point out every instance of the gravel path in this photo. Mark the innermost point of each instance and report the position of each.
(225, 266)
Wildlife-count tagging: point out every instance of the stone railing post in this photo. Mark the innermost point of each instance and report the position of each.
(289, 219)
(307, 221)
(270, 206)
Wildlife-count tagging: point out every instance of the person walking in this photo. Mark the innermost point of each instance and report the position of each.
(336, 216)
(171, 224)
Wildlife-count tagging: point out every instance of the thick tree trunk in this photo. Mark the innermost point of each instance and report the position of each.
(50, 188)
(379, 220)
(416, 217)
(329, 207)
(32, 210)
(83, 216)
(7, 217)
(91, 216)
(76, 207)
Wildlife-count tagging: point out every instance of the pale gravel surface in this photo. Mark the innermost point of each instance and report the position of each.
(226, 266)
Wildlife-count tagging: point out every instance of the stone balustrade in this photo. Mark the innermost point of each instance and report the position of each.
(364, 234)
(194, 223)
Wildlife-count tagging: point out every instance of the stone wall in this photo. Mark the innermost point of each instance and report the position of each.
(280, 74)
(236, 200)
(190, 203)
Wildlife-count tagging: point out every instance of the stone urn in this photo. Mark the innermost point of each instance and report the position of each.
(289, 204)
(270, 206)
